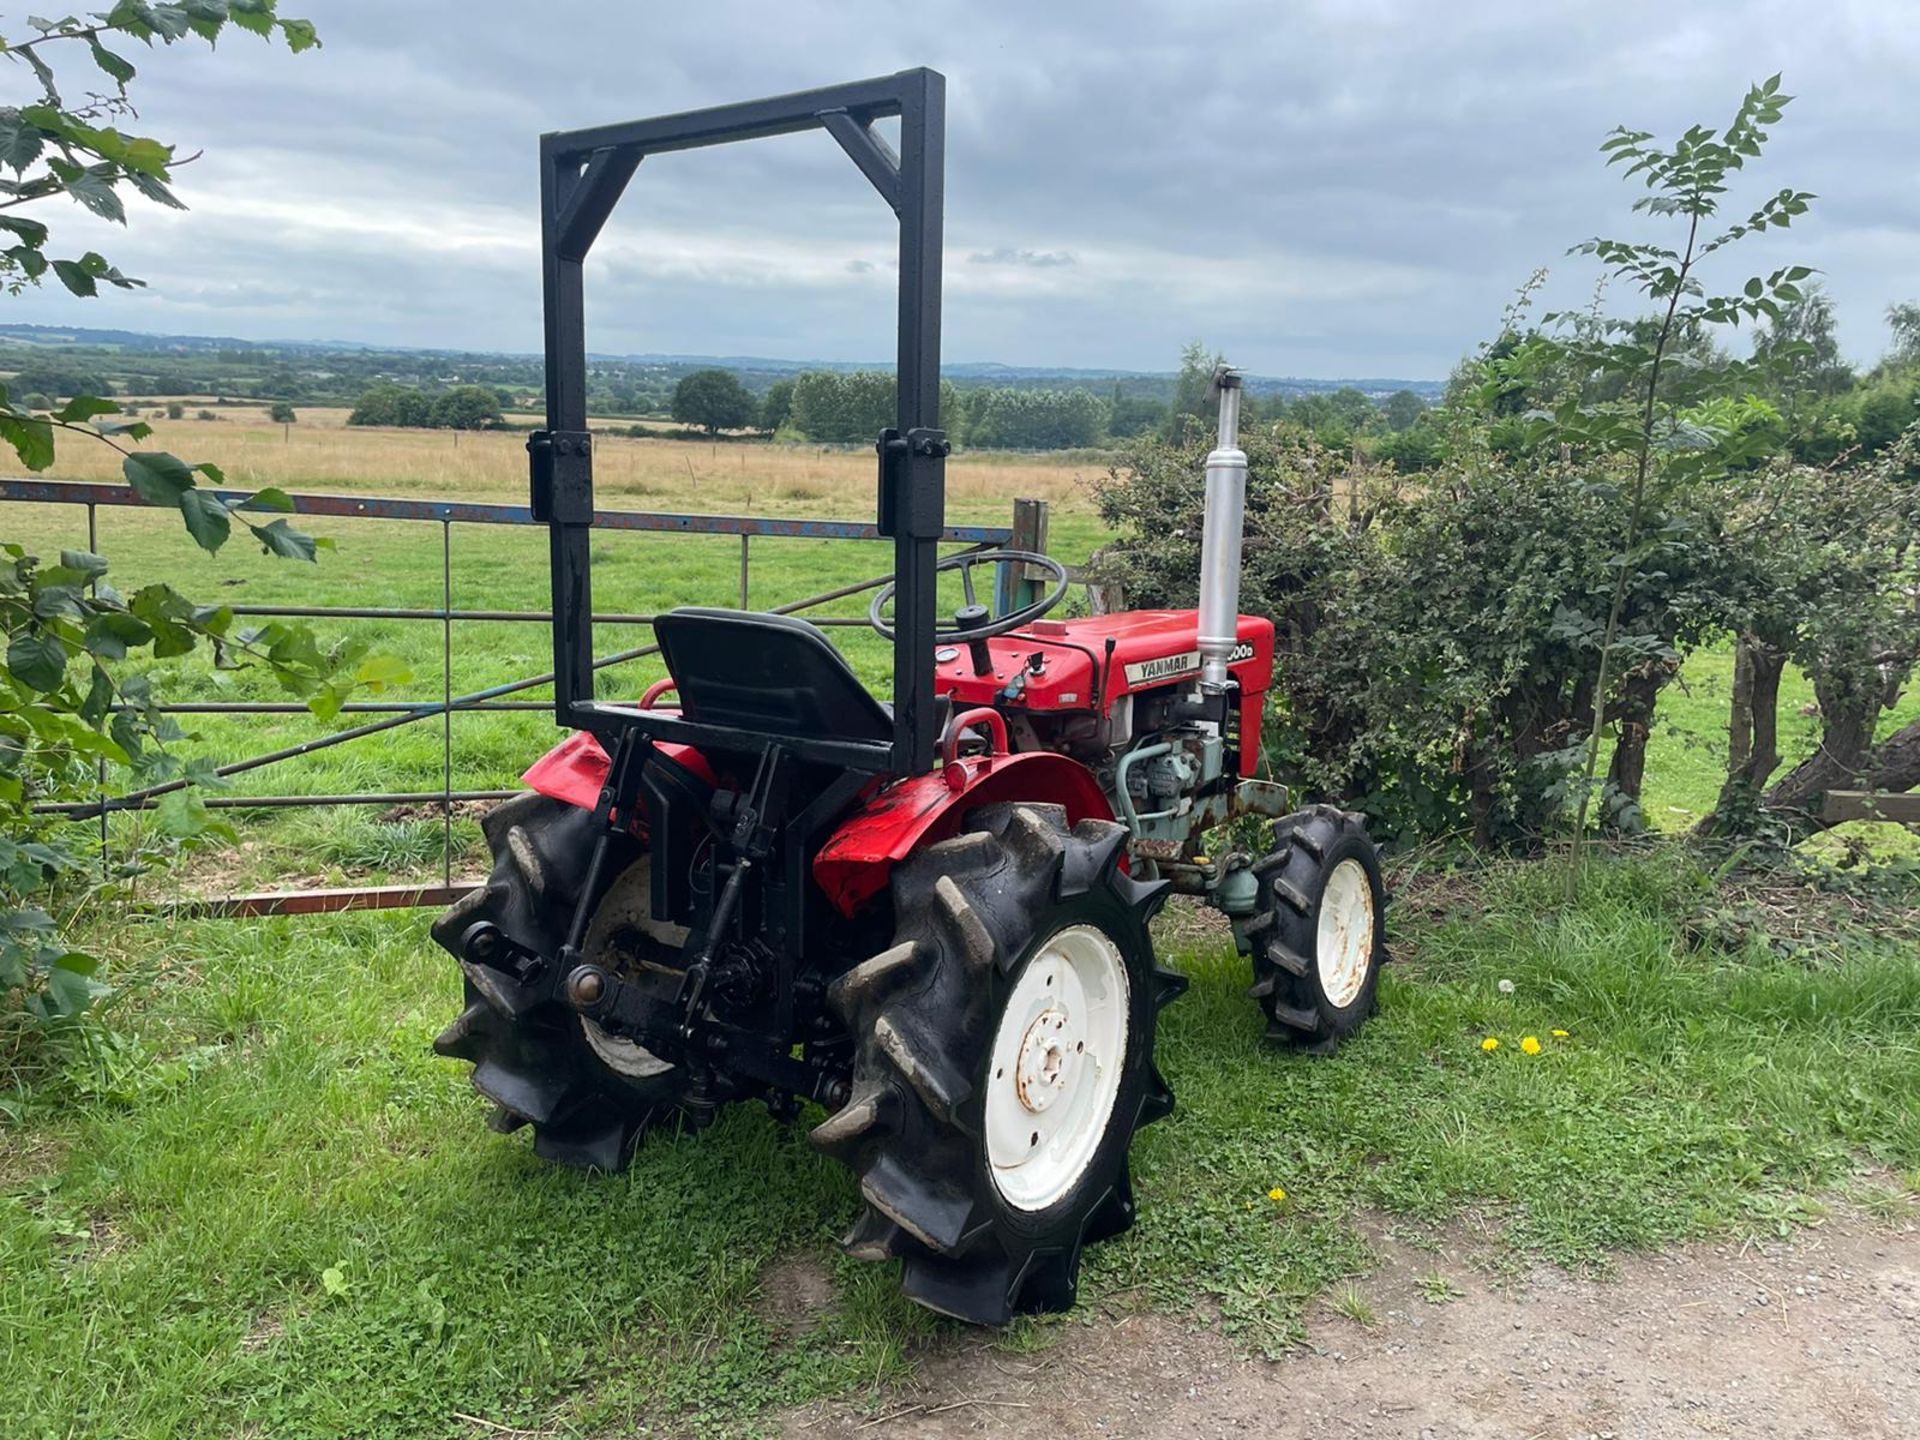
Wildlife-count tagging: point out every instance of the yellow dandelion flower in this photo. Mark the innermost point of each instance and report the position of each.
(1560, 1034)
(1490, 1044)
(1276, 1194)
(1531, 1045)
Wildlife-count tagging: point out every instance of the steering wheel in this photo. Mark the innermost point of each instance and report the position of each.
(974, 621)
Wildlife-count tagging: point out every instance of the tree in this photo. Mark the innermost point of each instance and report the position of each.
(849, 407)
(1192, 384)
(281, 412)
(58, 382)
(1403, 410)
(777, 405)
(715, 400)
(1006, 418)
(1802, 348)
(1655, 416)
(1826, 567)
(1904, 321)
(467, 407)
(1131, 415)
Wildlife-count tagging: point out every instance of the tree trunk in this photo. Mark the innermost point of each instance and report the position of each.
(1753, 735)
(1633, 709)
(1846, 760)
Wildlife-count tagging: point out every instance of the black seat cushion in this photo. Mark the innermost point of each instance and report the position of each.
(773, 674)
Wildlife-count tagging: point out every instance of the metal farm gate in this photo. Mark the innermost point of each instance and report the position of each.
(1027, 532)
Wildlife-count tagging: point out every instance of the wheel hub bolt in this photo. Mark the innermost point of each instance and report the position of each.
(1045, 1067)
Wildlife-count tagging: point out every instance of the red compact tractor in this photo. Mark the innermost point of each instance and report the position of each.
(929, 918)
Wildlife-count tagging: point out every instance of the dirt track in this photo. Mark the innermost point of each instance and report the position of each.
(1817, 1338)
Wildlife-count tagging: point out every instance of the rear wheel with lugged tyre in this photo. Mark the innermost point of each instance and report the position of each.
(589, 1095)
(1318, 935)
(1003, 1060)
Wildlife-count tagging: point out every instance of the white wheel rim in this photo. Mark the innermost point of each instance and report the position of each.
(1343, 942)
(628, 901)
(1057, 1057)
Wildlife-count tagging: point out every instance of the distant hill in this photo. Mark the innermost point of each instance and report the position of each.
(964, 372)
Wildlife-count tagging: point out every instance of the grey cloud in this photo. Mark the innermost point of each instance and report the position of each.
(1326, 187)
(1033, 259)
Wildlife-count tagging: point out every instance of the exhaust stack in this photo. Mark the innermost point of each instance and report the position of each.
(1226, 516)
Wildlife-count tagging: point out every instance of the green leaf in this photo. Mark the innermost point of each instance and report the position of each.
(280, 538)
(207, 519)
(157, 477)
(38, 660)
(93, 710)
(300, 35)
(379, 671)
(85, 561)
(85, 407)
(31, 231)
(252, 15)
(119, 69)
(32, 439)
(205, 17)
(325, 702)
(93, 188)
(271, 498)
(156, 190)
(181, 814)
(74, 276)
(20, 144)
(69, 992)
(147, 156)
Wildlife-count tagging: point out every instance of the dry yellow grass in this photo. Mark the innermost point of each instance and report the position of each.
(319, 453)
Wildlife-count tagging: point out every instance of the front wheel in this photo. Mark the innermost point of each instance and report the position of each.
(1004, 1059)
(1319, 934)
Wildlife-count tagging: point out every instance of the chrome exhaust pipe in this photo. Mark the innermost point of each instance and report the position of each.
(1226, 518)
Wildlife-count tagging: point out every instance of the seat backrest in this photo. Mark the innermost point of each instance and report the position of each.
(772, 674)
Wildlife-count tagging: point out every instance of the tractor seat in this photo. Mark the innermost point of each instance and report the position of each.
(771, 674)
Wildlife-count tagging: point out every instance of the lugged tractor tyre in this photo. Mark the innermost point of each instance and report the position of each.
(1020, 951)
(589, 1096)
(1318, 935)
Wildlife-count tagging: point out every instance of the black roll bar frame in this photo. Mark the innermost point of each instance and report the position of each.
(583, 174)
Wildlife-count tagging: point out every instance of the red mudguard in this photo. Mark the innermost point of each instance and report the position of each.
(854, 865)
(575, 770)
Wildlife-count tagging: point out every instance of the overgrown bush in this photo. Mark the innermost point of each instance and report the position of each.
(1436, 636)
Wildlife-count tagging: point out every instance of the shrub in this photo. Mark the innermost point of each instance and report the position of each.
(1437, 639)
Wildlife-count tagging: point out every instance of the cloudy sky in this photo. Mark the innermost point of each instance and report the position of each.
(1340, 188)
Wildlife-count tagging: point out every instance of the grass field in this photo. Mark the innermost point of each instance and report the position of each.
(267, 1209)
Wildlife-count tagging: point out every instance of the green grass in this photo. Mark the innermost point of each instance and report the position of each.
(273, 1211)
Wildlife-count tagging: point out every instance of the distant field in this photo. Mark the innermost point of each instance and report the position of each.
(320, 452)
